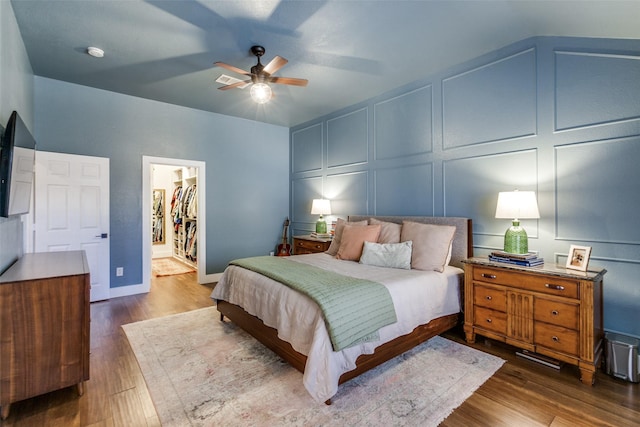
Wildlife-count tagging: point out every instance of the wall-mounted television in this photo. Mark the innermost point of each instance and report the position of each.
(17, 163)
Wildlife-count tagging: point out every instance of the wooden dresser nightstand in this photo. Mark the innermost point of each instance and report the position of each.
(309, 245)
(547, 310)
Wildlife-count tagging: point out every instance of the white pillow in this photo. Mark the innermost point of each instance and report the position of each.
(391, 255)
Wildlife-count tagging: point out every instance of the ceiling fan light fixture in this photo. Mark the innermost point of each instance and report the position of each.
(261, 93)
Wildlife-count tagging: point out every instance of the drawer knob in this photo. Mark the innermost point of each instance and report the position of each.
(556, 339)
(555, 287)
(317, 246)
(488, 320)
(555, 312)
(488, 276)
(488, 297)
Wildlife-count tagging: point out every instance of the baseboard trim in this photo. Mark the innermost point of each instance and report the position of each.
(124, 291)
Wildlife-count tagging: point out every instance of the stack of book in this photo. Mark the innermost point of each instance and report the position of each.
(527, 260)
(321, 235)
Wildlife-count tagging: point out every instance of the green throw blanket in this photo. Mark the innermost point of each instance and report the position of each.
(354, 309)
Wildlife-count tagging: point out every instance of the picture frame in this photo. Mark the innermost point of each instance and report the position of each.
(578, 258)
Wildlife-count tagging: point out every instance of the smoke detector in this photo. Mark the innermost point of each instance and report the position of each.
(95, 52)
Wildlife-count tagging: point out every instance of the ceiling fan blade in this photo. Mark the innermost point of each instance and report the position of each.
(275, 64)
(235, 85)
(289, 81)
(232, 68)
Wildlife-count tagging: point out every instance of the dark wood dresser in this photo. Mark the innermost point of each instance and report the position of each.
(309, 245)
(44, 325)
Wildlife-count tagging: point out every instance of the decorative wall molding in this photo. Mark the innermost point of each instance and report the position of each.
(306, 149)
(595, 88)
(348, 139)
(597, 190)
(493, 102)
(414, 197)
(403, 124)
(548, 114)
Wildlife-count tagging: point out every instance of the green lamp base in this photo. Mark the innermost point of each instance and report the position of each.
(515, 239)
(321, 226)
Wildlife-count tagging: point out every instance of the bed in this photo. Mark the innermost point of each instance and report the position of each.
(292, 326)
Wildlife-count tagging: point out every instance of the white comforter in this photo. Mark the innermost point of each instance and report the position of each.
(418, 297)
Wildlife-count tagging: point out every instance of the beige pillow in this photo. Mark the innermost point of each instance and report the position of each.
(337, 238)
(430, 244)
(353, 238)
(390, 231)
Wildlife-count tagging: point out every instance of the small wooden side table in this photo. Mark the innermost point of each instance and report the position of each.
(309, 245)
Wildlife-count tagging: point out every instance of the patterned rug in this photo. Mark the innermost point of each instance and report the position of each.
(169, 267)
(203, 372)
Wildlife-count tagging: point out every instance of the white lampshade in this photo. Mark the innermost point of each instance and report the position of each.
(321, 207)
(517, 205)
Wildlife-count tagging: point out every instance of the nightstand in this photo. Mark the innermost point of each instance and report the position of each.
(548, 310)
(309, 245)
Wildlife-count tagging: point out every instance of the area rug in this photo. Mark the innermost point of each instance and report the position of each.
(204, 372)
(169, 267)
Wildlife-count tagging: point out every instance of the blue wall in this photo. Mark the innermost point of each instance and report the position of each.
(16, 93)
(560, 116)
(246, 166)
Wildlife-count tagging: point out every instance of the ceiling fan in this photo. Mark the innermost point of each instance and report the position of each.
(260, 76)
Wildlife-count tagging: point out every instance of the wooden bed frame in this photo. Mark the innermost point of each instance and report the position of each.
(462, 248)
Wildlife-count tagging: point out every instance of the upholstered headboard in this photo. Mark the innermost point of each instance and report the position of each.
(462, 240)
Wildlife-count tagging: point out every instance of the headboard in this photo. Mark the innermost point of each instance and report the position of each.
(462, 240)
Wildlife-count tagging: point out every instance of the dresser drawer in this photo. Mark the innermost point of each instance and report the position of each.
(304, 246)
(556, 312)
(556, 338)
(493, 298)
(545, 284)
(491, 320)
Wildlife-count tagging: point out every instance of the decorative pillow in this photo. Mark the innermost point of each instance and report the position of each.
(430, 244)
(449, 254)
(337, 238)
(353, 238)
(390, 231)
(392, 255)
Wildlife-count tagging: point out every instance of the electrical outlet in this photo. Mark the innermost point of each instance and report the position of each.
(120, 271)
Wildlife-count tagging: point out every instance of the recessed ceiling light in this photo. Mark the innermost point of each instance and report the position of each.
(95, 52)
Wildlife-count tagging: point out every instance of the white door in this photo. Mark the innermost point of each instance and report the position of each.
(72, 211)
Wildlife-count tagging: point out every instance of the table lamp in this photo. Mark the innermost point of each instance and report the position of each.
(321, 207)
(517, 205)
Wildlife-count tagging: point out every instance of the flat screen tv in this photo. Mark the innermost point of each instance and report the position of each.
(17, 163)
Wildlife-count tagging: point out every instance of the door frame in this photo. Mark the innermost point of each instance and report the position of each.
(147, 195)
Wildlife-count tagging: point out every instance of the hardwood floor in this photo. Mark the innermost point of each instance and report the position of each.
(521, 393)
(526, 393)
(116, 395)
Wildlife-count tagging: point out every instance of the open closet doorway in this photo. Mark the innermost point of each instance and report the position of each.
(178, 235)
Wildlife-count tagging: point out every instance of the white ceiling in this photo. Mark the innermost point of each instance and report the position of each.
(348, 50)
